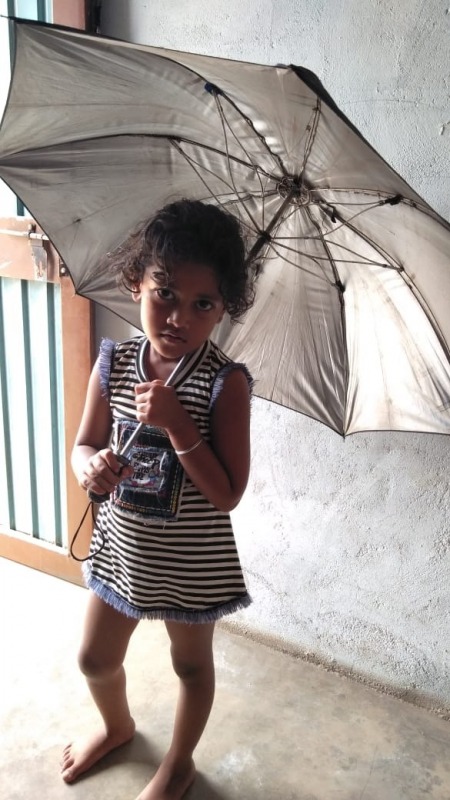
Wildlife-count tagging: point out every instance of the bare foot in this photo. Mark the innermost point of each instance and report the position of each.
(171, 782)
(81, 755)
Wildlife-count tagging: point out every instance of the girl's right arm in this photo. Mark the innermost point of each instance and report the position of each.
(93, 462)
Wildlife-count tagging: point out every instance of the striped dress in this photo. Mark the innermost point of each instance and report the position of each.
(185, 569)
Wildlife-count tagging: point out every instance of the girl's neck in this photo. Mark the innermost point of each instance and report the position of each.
(158, 367)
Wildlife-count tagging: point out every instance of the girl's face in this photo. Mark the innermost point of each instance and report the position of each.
(179, 311)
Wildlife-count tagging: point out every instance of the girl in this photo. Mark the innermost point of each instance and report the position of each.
(163, 545)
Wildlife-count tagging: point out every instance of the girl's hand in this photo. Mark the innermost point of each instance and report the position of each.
(102, 472)
(158, 405)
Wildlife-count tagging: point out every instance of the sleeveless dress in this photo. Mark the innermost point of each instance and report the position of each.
(184, 567)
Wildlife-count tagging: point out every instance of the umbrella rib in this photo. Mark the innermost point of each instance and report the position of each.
(171, 139)
(328, 207)
(215, 90)
(346, 223)
(417, 203)
(312, 128)
(302, 268)
(212, 149)
(322, 238)
(257, 169)
(407, 280)
(424, 209)
(347, 203)
(325, 246)
(194, 164)
(340, 287)
(370, 207)
(265, 237)
(353, 190)
(364, 261)
(226, 123)
(229, 166)
(380, 250)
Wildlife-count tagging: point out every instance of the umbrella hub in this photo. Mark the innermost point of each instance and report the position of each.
(292, 186)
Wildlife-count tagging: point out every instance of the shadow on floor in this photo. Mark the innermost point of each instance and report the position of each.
(281, 729)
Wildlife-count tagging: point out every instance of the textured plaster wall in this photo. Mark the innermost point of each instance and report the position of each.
(346, 544)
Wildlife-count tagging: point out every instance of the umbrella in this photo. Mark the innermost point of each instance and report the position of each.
(350, 325)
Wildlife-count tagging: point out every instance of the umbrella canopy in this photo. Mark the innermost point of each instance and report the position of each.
(351, 322)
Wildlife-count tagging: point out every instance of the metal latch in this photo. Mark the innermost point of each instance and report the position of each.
(38, 250)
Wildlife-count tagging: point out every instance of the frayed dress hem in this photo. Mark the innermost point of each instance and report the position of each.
(213, 614)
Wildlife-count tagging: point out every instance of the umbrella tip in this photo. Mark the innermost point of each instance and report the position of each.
(393, 201)
(212, 88)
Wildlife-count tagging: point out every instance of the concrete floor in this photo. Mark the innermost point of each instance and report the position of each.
(280, 728)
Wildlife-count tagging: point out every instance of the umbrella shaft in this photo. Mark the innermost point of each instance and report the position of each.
(264, 236)
(131, 440)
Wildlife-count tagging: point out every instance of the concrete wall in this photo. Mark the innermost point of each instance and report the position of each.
(346, 544)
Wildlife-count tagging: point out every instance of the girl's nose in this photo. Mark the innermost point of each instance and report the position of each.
(179, 316)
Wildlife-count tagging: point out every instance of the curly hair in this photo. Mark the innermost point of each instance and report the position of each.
(189, 231)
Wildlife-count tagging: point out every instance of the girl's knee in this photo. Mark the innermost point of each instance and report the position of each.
(192, 651)
(94, 665)
(192, 669)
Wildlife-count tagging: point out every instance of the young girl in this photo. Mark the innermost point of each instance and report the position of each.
(163, 545)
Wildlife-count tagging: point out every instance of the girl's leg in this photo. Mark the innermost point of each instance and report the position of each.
(104, 645)
(192, 658)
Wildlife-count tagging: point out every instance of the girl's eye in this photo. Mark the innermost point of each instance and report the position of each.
(204, 305)
(164, 293)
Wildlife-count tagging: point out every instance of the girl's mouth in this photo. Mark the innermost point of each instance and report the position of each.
(172, 337)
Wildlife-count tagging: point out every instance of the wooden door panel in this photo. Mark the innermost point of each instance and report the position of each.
(31, 258)
(24, 542)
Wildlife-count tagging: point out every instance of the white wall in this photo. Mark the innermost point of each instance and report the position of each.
(346, 544)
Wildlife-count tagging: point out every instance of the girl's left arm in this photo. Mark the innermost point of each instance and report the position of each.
(219, 469)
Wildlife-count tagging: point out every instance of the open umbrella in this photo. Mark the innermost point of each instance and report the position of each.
(351, 323)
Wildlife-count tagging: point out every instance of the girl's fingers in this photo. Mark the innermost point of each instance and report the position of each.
(103, 472)
(140, 388)
(110, 459)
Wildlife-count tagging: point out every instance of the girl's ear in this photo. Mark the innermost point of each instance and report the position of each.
(136, 293)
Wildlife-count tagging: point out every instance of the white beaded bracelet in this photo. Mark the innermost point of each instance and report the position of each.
(190, 449)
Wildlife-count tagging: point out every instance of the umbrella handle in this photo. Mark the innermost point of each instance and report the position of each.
(101, 498)
(121, 457)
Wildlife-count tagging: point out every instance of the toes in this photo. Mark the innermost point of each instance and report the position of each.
(67, 764)
(67, 751)
(67, 760)
(67, 775)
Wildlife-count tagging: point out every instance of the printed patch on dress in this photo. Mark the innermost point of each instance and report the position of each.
(153, 492)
